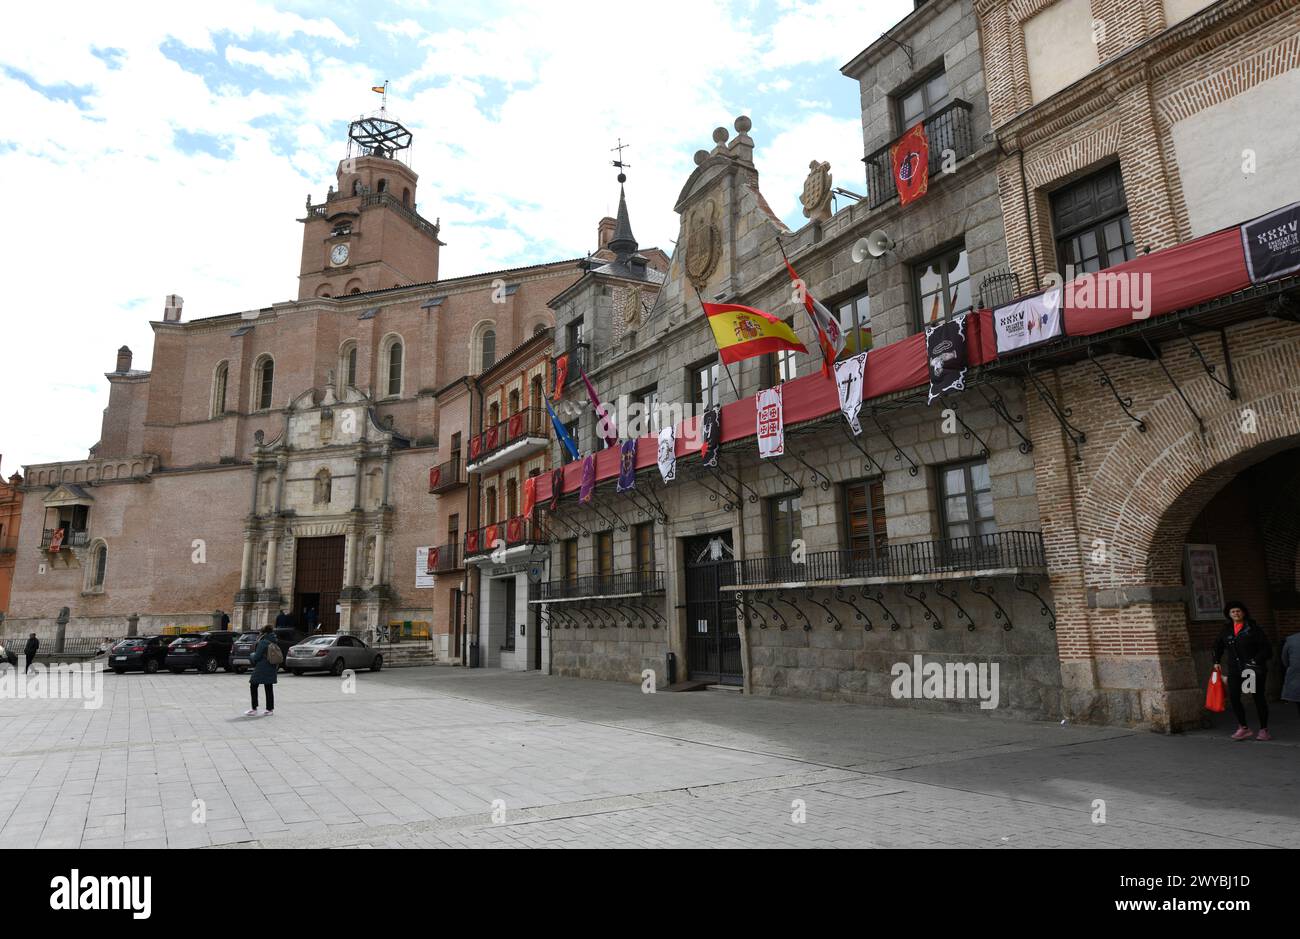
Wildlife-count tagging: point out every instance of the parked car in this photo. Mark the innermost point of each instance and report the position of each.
(243, 648)
(332, 654)
(206, 651)
(146, 653)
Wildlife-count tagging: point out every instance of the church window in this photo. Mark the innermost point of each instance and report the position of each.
(489, 349)
(99, 568)
(347, 367)
(406, 197)
(383, 185)
(219, 389)
(356, 187)
(513, 406)
(394, 383)
(265, 382)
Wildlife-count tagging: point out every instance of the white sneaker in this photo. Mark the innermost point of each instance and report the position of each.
(268, 714)
(251, 712)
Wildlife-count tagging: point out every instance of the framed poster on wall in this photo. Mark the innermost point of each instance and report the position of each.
(1204, 586)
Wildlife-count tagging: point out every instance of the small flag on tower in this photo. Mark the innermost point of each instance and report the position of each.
(377, 89)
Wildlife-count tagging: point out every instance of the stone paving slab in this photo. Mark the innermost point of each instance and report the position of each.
(438, 757)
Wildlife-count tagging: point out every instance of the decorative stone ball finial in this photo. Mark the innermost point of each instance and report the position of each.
(743, 124)
(720, 135)
(701, 156)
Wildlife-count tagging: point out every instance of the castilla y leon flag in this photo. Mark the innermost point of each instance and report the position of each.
(743, 332)
(829, 334)
(910, 161)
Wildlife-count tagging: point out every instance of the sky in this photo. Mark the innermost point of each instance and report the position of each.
(160, 148)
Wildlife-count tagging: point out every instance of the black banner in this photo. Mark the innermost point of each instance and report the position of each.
(1272, 244)
(945, 354)
(711, 436)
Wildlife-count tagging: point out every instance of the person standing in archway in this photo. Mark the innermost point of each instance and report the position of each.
(1291, 663)
(1248, 652)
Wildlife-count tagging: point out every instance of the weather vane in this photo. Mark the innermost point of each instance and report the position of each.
(622, 177)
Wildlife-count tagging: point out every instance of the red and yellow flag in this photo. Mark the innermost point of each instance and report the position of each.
(743, 332)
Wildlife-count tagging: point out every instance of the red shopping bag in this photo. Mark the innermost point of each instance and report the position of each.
(1214, 696)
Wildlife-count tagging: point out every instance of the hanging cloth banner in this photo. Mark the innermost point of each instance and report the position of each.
(711, 435)
(561, 433)
(604, 422)
(530, 496)
(771, 423)
(588, 480)
(668, 454)
(561, 373)
(1272, 244)
(910, 159)
(1029, 321)
(945, 353)
(850, 375)
(557, 487)
(627, 466)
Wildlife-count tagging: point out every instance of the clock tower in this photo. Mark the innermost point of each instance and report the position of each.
(367, 234)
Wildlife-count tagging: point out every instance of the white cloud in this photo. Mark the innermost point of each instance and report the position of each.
(291, 64)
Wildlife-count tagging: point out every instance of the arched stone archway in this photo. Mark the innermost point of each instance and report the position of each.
(1116, 520)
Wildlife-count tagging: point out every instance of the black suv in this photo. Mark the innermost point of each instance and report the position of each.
(206, 651)
(138, 652)
(247, 642)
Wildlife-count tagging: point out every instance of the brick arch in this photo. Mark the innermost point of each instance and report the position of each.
(1150, 486)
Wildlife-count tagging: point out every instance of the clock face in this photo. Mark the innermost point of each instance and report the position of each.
(339, 254)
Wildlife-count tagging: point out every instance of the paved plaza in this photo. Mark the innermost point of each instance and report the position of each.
(441, 757)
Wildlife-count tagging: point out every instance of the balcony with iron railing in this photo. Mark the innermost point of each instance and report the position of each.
(516, 532)
(446, 558)
(518, 436)
(373, 199)
(1004, 552)
(624, 584)
(949, 129)
(447, 476)
(71, 539)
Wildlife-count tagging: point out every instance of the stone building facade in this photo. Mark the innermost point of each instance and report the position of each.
(11, 513)
(700, 569)
(1124, 128)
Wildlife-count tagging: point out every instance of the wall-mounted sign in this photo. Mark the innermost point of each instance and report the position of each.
(1204, 586)
(424, 575)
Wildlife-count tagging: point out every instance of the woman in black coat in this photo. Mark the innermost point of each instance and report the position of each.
(1248, 653)
(264, 672)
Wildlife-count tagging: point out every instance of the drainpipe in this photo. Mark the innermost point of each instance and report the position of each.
(1024, 195)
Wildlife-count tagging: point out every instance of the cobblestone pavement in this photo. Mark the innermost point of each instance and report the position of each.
(434, 757)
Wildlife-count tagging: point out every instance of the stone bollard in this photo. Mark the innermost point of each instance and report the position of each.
(61, 629)
(132, 624)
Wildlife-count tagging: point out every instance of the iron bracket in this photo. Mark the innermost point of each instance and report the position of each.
(1032, 590)
(968, 432)
(831, 618)
(1124, 403)
(999, 406)
(931, 616)
(863, 450)
(899, 455)
(851, 602)
(1230, 386)
(961, 610)
(1164, 368)
(820, 479)
(999, 613)
(1061, 413)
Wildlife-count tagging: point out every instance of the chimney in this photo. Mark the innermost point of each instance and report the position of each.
(604, 232)
(124, 359)
(172, 311)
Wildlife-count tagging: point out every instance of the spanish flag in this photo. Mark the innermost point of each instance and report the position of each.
(743, 332)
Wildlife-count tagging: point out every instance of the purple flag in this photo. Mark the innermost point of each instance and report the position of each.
(627, 466)
(588, 480)
(604, 423)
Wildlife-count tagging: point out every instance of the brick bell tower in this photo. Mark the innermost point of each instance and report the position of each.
(367, 234)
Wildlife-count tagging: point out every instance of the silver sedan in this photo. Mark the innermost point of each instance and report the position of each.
(332, 654)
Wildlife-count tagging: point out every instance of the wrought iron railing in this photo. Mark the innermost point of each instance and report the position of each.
(449, 558)
(530, 422)
(1014, 550)
(71, 539)
(998, 287)
(947, 129)
(388, 199)
(513, 531)
(447, 475)
(601, 585)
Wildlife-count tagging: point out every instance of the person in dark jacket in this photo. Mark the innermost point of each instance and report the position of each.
(225, 620)
(283, 620)
(1248, 653)
(313, 618)
(264, 673)
(1291, 662)
(30, 651)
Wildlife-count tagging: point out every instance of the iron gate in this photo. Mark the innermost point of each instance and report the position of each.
(712, 641)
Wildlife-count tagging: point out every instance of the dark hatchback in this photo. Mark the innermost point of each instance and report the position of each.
(247, 642)
(206, 651)
(143, 653)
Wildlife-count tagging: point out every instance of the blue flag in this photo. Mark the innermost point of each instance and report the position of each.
(561, 433)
